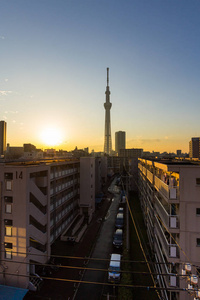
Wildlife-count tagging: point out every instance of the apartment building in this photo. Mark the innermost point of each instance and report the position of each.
(39, 200)
(131, 153)
(3, 134)
(87, 186)
(194, 147)
(120, 140)
(170, 198)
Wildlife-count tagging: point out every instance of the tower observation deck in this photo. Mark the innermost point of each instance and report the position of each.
(107, 106)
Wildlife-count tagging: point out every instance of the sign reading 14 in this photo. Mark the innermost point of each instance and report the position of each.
(19, 175)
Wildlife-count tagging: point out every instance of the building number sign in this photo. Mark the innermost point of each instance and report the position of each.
(19, 175)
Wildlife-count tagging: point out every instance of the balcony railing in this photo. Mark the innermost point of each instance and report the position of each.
(170, 221)
(150, 176)
(170, 193)
(169, 277)
(171, 250)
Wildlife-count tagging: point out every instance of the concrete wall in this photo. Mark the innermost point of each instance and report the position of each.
(87, 185)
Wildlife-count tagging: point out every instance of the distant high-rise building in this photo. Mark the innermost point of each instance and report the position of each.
(107, 106)
(178, 152)
(194, 148)
(120, 140)
(2, 137)
(131, 153)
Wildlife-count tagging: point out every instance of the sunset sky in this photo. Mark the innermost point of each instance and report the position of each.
(53, 60)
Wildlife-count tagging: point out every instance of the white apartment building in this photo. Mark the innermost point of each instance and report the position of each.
(87, 186)
(170, 199)
(39, 200)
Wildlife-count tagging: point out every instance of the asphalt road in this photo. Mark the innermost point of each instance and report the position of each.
(102, 250)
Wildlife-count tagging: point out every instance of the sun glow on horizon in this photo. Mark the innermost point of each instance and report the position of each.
(51, 136)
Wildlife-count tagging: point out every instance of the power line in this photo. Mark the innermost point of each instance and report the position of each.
(104, 283)
(92, 269)
(148, 265)
(86, 258)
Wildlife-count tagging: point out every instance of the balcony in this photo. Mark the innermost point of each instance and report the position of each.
(169, 279)
(171, 193)
(170, 250)
(170, 221)
(63, 173)
(150, 176)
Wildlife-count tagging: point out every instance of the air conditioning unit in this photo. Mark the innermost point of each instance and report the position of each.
(194, 279)
(183, 272)
(188, 267)
(190, 287)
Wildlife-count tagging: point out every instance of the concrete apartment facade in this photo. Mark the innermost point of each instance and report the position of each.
(39, 200)
(87, 186)
(170, 199)
(131, 153)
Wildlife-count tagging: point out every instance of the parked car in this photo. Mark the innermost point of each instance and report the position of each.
(121, 210)
(114, 268)
(118, 238)
(119, 222)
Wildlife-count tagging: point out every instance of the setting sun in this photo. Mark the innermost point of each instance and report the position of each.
(51, 136)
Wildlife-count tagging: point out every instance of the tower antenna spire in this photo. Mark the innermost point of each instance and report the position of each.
(107, 76)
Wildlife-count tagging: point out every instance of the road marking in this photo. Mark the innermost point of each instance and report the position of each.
(107, 215)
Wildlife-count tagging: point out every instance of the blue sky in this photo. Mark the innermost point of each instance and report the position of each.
(53, 60)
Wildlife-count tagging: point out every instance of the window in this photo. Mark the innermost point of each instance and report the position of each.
(198, 242)
(8, 250)
(8, 254)
(8, 208)
(8, 227)
(8, 185)
(198, 181)
(8, 204)
(198, 211)
(8, 181)
(8, 176)
(8, 199)
(8, 230)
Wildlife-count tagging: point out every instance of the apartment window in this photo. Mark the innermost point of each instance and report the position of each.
(8, 176)
(8, 250)
(8, 181)
(8, 185)
(8, 231)
(8, 204)
(8, 208)
(8, 227)
(198, 181)
(198, 211)
(198, 242)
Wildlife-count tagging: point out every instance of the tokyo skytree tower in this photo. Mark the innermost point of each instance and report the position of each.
(107, 106)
